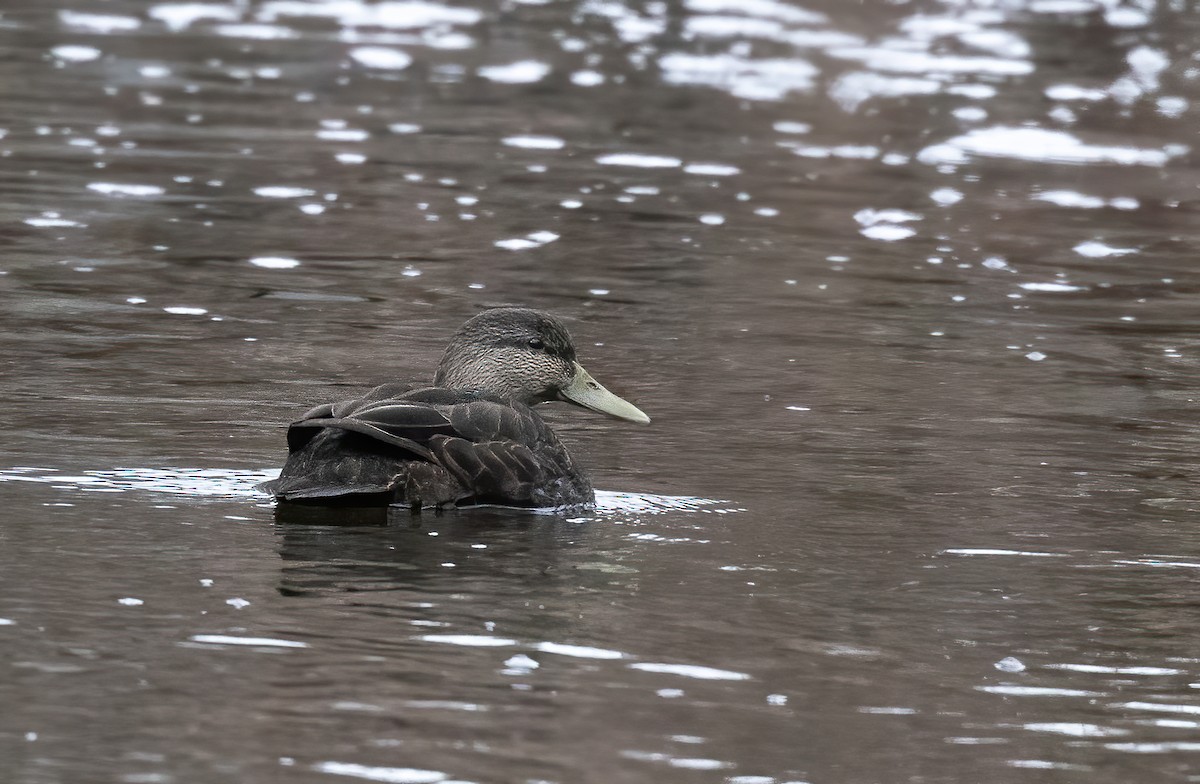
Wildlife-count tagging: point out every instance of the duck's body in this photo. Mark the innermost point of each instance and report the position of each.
(473, 438)
(428, 447)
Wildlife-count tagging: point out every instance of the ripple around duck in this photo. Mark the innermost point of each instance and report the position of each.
(193, 482)
(224, 483)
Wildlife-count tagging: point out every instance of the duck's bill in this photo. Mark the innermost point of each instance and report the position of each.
(588, 392)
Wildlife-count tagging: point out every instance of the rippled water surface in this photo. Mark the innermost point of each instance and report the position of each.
(908, 288)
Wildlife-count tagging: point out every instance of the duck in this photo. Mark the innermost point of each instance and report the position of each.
(472, 438)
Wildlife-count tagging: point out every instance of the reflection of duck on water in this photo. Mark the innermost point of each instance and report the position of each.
(491, 552)
(471, 438)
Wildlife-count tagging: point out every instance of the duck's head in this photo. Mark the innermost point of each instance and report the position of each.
(525, 355)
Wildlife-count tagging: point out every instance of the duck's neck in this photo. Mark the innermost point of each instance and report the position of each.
(487, 373)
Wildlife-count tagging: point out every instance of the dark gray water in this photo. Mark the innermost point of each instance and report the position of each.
(909, 290)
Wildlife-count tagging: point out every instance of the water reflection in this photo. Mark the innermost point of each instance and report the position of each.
(911, 283)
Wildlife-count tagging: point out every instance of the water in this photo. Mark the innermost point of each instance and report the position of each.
(907, 289)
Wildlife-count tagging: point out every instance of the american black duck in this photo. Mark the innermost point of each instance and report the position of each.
(471, 438)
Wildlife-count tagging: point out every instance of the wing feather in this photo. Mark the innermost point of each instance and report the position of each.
(365, 428)
(494, 470)
(486, 420)
(476, 449)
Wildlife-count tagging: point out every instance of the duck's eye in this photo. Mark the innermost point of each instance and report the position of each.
(536, 344)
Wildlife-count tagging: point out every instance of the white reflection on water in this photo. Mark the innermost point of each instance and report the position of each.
(1075, 729)
(469, 640)
(257, 642)
(396, 14)
(259, 32)
(381, 57)
(946, 196)
(522, 664)
(920, 49)
(1159, 563)
(688, 763)
(532, 240)
(1045, 765)
(765, 80)
(1039, 144)
(72, 53)
(1052, 287)
(1159, 707)
(275, 262)
(388, 775)
(1073, 92)
(712, 169)
(1155, 748)
(690, 671)
(1105, 670)
(853, 89)
(847, 151)
(1094, 249)
(578, 651)
(768, 9)
(125, 189)
(534, 142)
(283, 192)
(885, 224)
(180, 16)
(1037, 691)
(523, 72)
(342, 134)
(51, 220)
(791, 126)
(99, 23)
(639, 160)
(899, 60)
(870, 216)
(992, 551)
(587, 78)
(1065, 198)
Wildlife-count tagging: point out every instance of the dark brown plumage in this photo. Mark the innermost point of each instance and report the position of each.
(471, 439)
